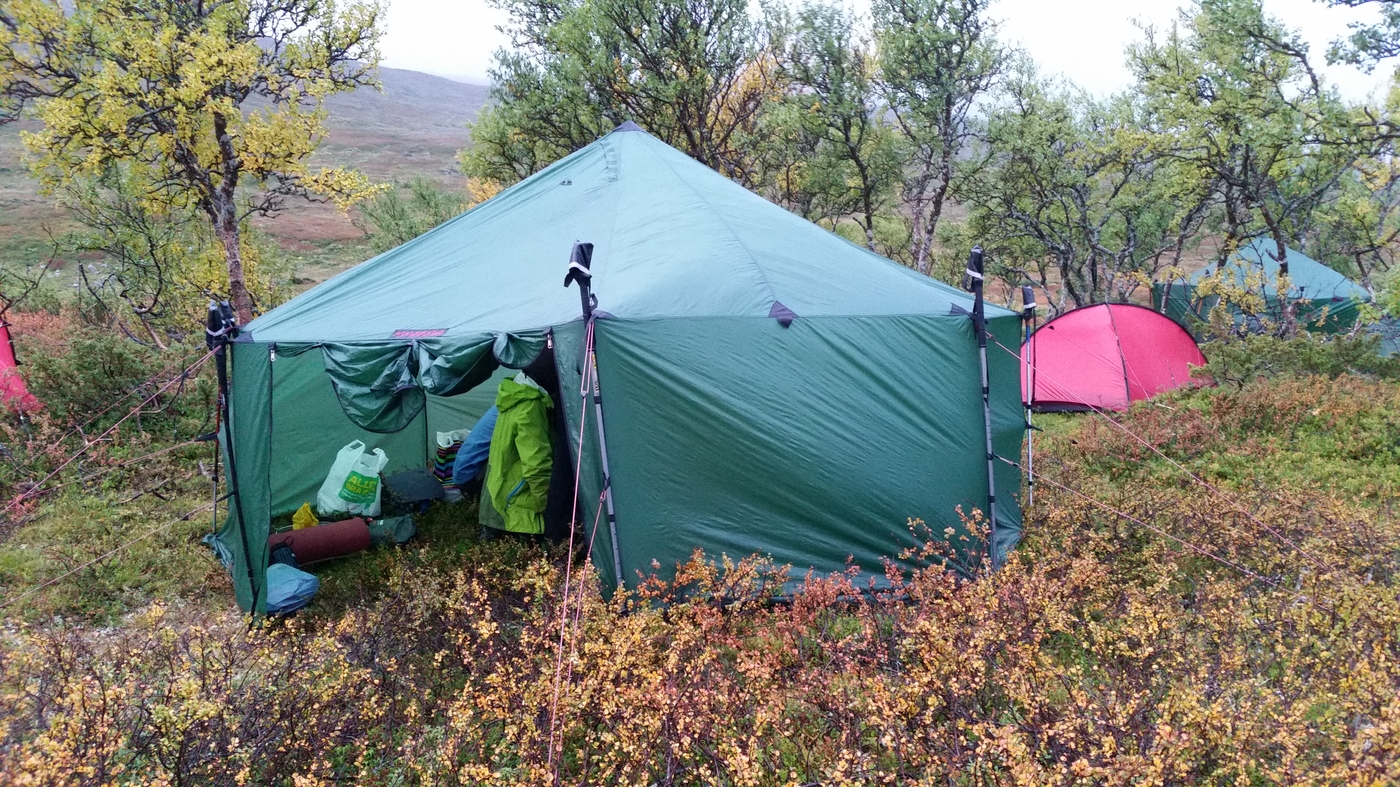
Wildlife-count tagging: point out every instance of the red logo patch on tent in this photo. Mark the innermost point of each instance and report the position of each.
(410, 333)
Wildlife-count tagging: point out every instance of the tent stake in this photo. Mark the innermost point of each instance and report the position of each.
(974, 278)
(1028, 317)
(580, 270)
(222, 326)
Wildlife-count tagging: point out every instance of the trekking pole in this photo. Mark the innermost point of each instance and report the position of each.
(219, 328)
(581, 271)
(973, 280)
(1028, 386)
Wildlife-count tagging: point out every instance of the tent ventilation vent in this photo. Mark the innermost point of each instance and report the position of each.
(782, 314)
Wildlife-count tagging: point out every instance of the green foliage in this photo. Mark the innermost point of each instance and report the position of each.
(1072, 196)
(955, 242)
(1237, 360)
(395, 219)
(92, 371)
(28, 287)
(98, 368)
(1334, 438)
(164, 91)
(1358, 227)
(697, 75)
(1388, 293)
(1368, 44)
(939, 60)
(1239, 102)
(853, 163)
(149, 269)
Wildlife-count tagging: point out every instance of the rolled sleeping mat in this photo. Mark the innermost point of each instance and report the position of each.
(322, 542)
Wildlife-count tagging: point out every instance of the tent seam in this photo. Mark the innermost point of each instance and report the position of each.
(1122, 357)
(752, 260)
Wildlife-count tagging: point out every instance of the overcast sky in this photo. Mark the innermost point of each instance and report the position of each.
(1081, 39)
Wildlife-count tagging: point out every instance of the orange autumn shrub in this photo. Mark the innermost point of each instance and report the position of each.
(1241, 640)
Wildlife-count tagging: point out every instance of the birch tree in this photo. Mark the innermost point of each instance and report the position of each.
(1237, 96)
(213, 106)
(938, 60)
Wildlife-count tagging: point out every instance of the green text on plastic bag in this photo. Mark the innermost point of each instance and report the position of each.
(359, 488)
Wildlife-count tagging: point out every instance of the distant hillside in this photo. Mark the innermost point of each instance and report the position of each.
(415, 126)
(435, 105)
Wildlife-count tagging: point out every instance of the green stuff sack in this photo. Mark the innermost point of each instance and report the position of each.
(393, 530)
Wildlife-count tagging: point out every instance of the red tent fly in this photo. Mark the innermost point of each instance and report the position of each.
(12, 389)
(1106, 356)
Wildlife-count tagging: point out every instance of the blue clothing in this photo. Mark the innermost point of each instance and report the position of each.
(471, 457)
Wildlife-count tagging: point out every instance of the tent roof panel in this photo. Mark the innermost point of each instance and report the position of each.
(672, 239)
(1310, 278)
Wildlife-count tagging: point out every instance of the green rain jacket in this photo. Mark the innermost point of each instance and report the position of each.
(519, 463)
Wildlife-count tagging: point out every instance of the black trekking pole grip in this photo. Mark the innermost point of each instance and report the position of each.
(581, 271)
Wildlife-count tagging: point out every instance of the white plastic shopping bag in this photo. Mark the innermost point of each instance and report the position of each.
(352, 486)
(328, 499)
(447, 439)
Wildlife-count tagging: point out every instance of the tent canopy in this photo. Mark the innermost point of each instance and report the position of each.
(1308, 278)
(1106, 356)
(1329, 301)
(672, 239)
(768, 386)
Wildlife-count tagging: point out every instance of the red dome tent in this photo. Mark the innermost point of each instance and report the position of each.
(1106, 356)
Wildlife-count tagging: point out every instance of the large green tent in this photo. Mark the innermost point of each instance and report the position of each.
(767, 386)
(1326, 300)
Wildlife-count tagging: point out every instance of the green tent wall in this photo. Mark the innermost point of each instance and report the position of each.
(1328, 302)
(814, 439)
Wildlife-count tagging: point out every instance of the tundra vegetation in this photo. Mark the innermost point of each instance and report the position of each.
(1208, 591)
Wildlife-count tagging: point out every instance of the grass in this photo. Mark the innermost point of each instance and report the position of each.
(317, 262)
(446, 539)
(173, 566)
(84, 523)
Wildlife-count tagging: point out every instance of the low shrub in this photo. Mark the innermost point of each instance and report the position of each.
(102, 399)
(1236, 360)
(1245, 637)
